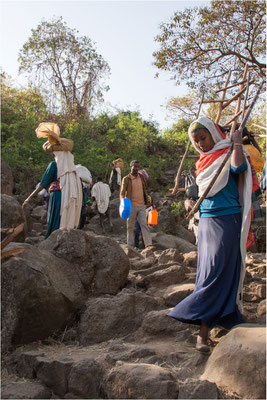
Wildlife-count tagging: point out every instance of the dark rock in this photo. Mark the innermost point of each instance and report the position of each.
(170, 256)
(176, 293)
(85, 379)
(141, 381)
(25, 390)
(40, 294)
(164, 277)
(196, 389)
(54, 374)
(112, 317)
(157, 323)
(12, 215)
(102, 265)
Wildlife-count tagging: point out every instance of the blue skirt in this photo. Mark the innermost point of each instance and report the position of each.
(213, 300)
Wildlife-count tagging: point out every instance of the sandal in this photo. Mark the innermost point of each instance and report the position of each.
(203, 348)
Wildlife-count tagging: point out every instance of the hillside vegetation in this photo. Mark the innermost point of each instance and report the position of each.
(97, 141)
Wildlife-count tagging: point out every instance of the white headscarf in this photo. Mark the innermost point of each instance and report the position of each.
(220, 142)
(71, 190)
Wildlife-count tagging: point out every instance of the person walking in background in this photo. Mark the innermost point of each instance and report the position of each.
(134, 188)
(115, 175)
(86, 181)
(222, 233)
(101, 195)
(137, 227)
(252, 147)
(61, 181)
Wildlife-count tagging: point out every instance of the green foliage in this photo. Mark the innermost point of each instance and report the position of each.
(177, 134)
(96, 142)
(257, 125)
(177, 208)
(21, 112)
(200, 45)
(176, 138)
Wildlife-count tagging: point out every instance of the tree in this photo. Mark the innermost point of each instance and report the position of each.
(185, 106)
(200, 45)
(70, 64)
(21, 112)
(20, 104)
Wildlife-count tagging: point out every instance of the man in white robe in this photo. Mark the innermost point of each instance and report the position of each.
(101, 194)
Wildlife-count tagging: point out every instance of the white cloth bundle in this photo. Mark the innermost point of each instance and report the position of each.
(71, 190)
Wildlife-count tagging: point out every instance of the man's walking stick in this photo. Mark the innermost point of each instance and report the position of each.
(226, 158)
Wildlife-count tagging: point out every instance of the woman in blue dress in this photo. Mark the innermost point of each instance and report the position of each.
(60, 180)
(222, 233)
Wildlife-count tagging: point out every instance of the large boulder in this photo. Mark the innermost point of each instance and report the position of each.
(7, 181)
(40, 293)
(101, 263)
(141, 381)
(24, 389)
(114, 316)
(164, 277)
(239, 362)
(170, 256)
(166, 221)
(39, 214)
(12, 215)
(163, 241)
(176, 293)
(43, 288)
(196, 389)
(68, 374)
(157, 323)
(85, 380)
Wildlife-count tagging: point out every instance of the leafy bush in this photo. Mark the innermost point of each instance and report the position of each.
(96, 142)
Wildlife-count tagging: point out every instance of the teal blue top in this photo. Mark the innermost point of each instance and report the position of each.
(50, 175)
(225, 202)
(53, 217)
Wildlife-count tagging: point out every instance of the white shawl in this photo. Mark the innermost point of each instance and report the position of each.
(101, 192)
(71, 190)
(118, 176)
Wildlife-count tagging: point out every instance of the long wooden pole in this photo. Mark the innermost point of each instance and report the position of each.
(233, 127)
(235, 84)
(235, 116)
(228, 154)
(187, 148)
(246, 97)
(259, 126)
(223, 97)
(236, 96)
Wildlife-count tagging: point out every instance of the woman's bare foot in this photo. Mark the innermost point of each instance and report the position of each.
(202, 338)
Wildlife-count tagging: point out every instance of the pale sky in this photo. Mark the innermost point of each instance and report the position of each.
(123, 32)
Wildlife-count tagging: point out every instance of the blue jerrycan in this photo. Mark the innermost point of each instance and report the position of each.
(125, 208)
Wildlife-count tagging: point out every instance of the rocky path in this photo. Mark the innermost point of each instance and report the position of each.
(103, 310)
